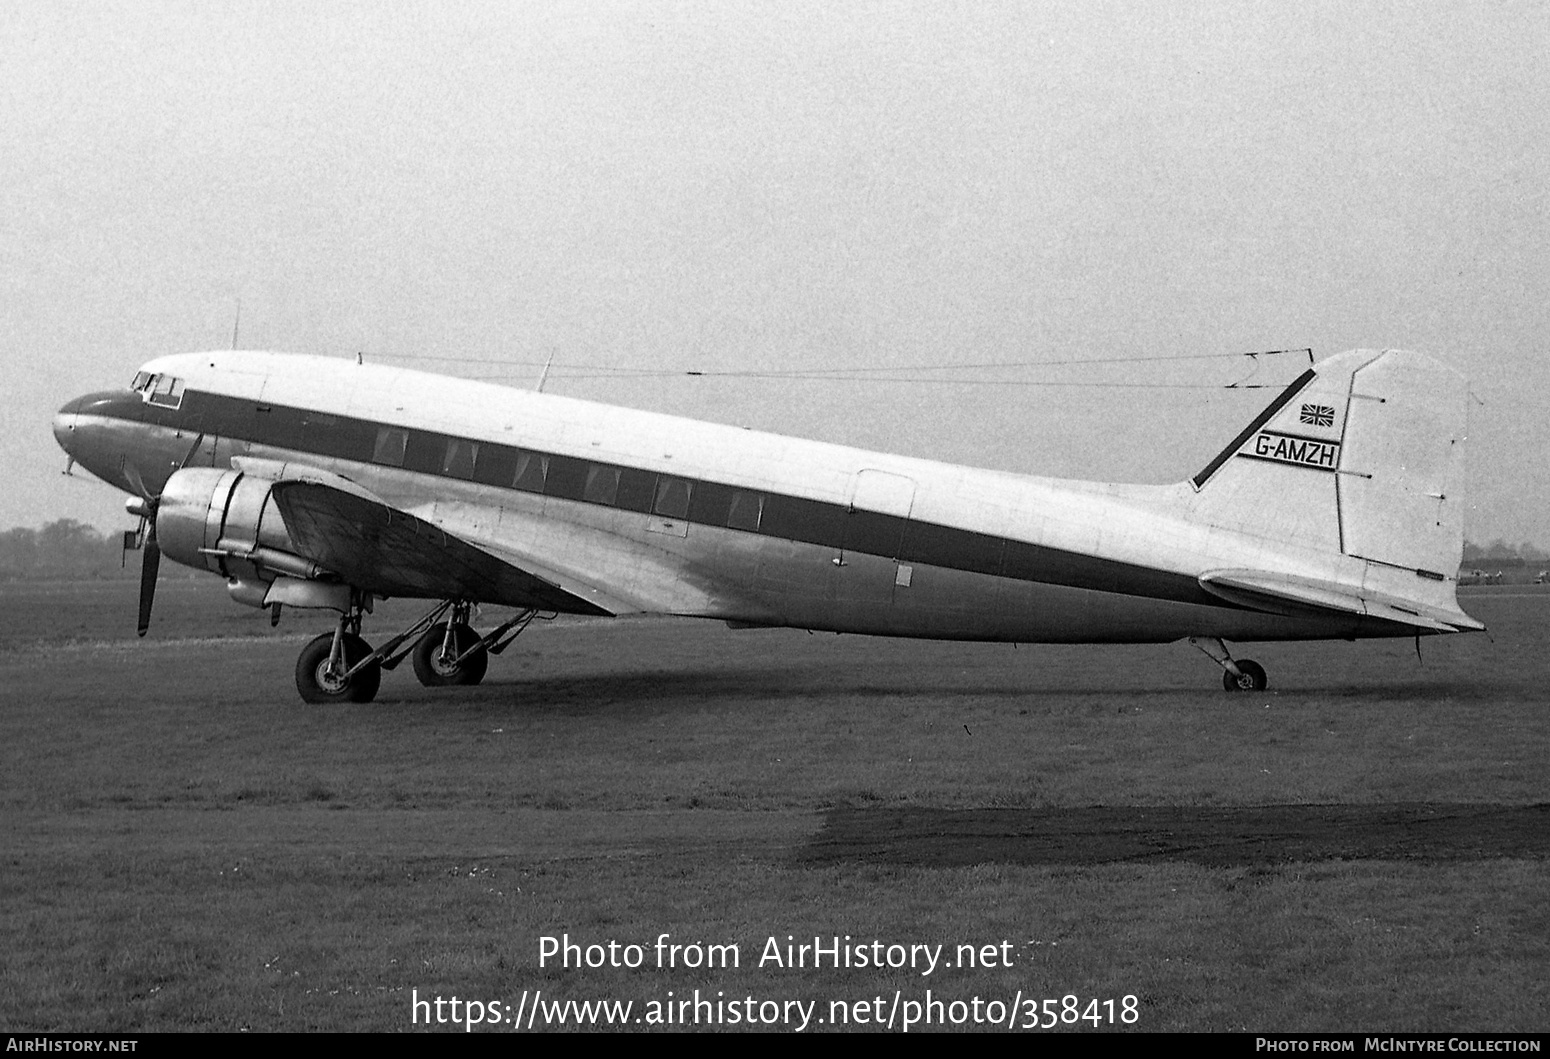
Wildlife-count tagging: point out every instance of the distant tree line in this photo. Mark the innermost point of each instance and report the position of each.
(64, 549)
(1508, 554)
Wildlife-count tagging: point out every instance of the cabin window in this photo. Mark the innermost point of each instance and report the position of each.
(325, 434)
(567, 478)
(532, 470)
(746, 511)
(166, 391)
(495, 465)
(330, 435)
(389, 449)
(602, 484)
(636, 490)
(426, 452)
(711, 504)
(673, 497)
(460, 458)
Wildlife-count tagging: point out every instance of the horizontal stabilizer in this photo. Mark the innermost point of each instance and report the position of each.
(1286, 594)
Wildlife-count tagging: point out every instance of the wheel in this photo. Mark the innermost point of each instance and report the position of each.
(437, 668)
(318, 684)
(1253, 678)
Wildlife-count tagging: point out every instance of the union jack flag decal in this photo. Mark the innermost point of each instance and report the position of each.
(1319, 415)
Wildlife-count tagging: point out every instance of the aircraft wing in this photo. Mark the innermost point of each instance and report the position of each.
(1276, 593)
(390, 552)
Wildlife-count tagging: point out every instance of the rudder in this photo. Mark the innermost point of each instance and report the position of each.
(1401, 465)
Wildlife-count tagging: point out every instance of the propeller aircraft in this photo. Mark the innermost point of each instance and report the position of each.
(314, 482)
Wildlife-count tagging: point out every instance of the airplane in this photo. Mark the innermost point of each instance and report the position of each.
(316, 482)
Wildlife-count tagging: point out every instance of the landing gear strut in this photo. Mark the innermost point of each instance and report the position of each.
(451, 652)
(340, 666)
(1251, 677)
(1237, 675)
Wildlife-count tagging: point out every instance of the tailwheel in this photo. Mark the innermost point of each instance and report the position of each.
(324, 676)
(450, 653)
(1251, 676)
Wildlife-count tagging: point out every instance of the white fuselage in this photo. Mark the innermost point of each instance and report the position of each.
(837, 538)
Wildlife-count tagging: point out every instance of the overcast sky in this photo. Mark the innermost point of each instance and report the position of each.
(792, 187)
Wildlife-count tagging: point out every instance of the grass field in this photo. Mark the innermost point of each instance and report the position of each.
(187, 846)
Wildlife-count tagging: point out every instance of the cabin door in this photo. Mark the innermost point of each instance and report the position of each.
(868, 572)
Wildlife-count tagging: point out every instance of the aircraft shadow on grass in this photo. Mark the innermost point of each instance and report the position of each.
(684, 692)
(729, 685)
(1217, 837)
(724, 687)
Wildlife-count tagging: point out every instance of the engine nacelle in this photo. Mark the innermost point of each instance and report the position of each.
(227, 522)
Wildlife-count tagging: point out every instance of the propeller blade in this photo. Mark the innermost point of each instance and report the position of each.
(137, 483)
(148, 570)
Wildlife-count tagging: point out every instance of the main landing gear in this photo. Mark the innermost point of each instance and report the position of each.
(451, 653)
(341, 667)
(1237, 675)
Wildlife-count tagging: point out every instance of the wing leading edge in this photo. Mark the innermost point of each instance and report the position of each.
(390, 552)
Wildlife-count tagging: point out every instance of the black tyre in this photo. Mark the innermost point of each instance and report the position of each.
(318, 684)
(435, 660)
(1253, 678)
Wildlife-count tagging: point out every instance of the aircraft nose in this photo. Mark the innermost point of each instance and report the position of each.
(64, 423)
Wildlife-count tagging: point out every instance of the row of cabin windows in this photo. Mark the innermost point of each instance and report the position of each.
(788, 517)
(706, 503)
(501, 465)
(569, 478)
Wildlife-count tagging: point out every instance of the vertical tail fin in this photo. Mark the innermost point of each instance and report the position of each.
(1362, 455)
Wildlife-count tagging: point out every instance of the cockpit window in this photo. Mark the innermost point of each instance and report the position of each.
(159, 389)
(166, 391)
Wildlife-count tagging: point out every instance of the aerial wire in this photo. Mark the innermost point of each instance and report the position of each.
(910, 374)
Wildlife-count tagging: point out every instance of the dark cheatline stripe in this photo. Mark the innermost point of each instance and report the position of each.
(1260, 420)
(711, 503)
